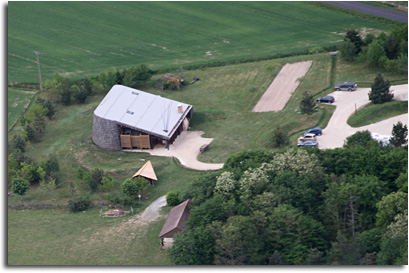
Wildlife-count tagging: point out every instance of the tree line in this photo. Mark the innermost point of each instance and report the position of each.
(387, 52)
(343, 206)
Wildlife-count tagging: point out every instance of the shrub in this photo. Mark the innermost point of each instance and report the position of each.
(79, 203)
(280, 138)
(19, 143)
(96, 178)
(20, 186)
(172, 198)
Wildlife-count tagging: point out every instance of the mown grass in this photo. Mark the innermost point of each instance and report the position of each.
(17, 102)
(85, 38)
(59, 237)
(363, 75)
(373, 113)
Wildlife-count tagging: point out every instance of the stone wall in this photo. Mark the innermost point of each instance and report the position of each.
(105, 134)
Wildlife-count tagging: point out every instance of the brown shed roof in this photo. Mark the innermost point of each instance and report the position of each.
(176, 220)
(146, 171)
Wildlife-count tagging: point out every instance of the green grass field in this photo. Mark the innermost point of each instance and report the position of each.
(85, 38)
(17, 102)
(372, 113)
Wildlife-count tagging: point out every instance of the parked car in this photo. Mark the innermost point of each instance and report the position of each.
(316, 131)
(350, 86)
(308, 143)
(329, 99)
(307, 137)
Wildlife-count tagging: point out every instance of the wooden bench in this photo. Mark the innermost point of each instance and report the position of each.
(204, 148)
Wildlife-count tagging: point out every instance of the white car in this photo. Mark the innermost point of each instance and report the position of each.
(307, 137)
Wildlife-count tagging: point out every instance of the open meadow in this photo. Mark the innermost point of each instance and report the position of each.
(86, 38)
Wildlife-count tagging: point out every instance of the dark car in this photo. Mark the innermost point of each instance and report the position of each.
(329, 99)
(350, 86)
(316, 130)
(308, 143)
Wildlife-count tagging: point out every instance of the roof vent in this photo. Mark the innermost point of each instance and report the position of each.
(129, 112)
(135, 93)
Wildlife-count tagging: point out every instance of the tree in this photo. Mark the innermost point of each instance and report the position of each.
(353, 36)
(399, 135)
(226, 185)
(238, 243)
(193, 247)
(376, 55)
(390, 206)
(36, 116)
(391, 46)
(280, 138)
(361, 138)
(296, 160)
(307, 104)
(348, 51)
(20, 186)
(380, 91)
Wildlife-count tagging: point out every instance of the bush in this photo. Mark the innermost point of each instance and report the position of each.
(19, 143)
(280, 138)
(79, 203)
(96, 178)
(172, 198)
(20, 186)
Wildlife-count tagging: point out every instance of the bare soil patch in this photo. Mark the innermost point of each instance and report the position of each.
(283, 85)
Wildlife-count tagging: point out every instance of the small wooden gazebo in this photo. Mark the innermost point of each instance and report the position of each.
(147, 172)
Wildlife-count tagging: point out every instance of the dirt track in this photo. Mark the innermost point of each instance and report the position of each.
(280, 90)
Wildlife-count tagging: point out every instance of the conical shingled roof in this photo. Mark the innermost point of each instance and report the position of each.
(146, 171)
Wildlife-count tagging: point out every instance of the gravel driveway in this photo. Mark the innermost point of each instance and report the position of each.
(338, 130)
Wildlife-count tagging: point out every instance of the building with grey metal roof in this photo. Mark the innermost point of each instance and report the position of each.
(128, 118)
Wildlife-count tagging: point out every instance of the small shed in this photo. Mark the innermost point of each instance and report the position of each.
(175, 223)
(147, 172)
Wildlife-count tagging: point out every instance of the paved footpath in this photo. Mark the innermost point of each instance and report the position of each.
(338, 130)
(186, 148)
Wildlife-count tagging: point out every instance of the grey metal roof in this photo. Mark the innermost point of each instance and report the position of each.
(142, 111)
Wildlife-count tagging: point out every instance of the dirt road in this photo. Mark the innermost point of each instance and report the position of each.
(283, 85)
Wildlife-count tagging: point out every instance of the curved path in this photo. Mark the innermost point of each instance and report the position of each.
(186, 148)
(371, 9)
(338, 130)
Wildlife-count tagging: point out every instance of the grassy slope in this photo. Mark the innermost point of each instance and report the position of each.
(17, 101)
(85, 38)
(64, 238)
(372, 113)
